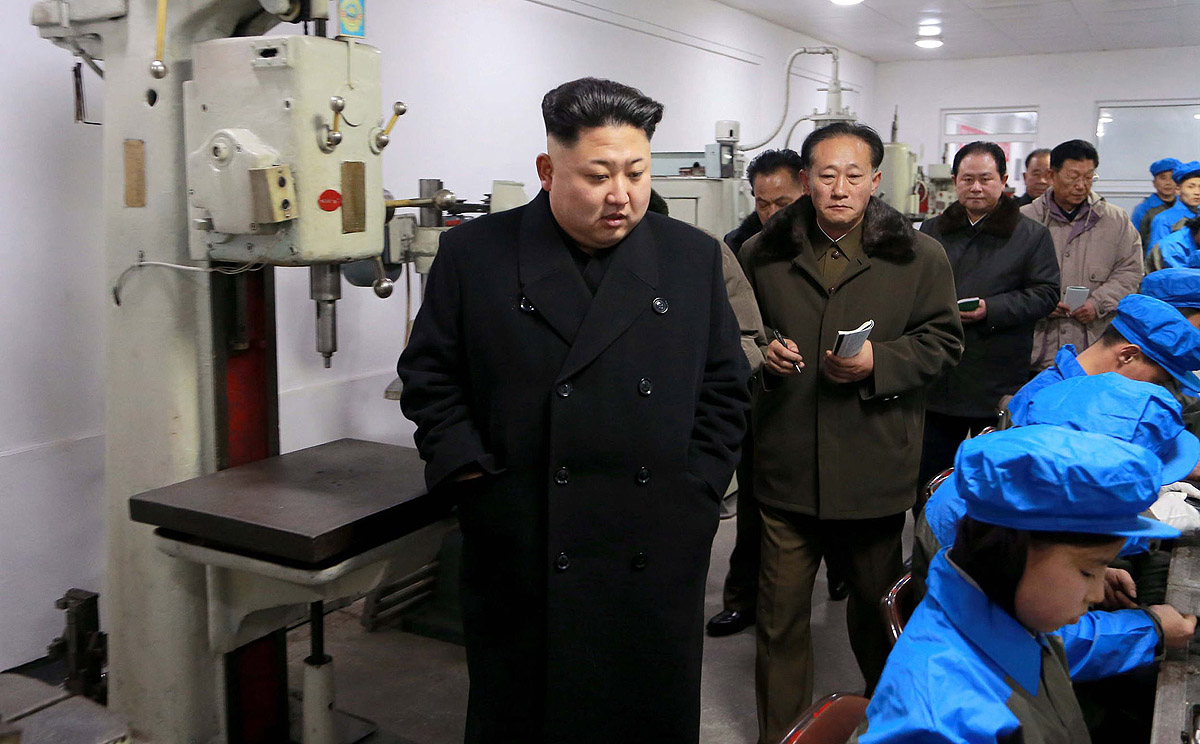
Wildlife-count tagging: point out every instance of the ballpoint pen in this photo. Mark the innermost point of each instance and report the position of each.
(779, 338)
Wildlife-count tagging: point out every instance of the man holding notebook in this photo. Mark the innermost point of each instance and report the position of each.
(837, 438)
(1006, 275)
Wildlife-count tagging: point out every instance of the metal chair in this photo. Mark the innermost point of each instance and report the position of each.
(830, 720)
(897, 606)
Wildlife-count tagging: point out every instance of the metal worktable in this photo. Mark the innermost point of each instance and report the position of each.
(311, 508)
(1177, 698)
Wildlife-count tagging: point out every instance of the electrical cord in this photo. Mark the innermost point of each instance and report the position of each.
(142, 263)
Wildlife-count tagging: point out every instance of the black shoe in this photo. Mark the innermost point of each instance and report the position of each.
(728, 622)
(838, 591)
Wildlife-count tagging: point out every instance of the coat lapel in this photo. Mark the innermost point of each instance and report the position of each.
(627, 291)
(550, 282)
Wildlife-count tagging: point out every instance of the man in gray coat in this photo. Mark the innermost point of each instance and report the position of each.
(837, 438)
(1006, 274)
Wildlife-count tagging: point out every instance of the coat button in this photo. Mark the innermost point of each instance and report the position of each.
(639, 561)
(660, 305)
(645, 387)
(643, 476)
(526, 305)
(564, 389)
(562, 562)
(562, 477)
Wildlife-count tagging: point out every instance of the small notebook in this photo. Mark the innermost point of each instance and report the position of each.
(1074, 297)
(849, 343)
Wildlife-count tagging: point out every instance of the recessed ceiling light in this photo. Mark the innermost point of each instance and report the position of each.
(929, 42)
(1196, 116)
(845, 2)
(929, 30)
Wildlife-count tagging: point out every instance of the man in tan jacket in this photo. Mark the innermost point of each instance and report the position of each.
(1097, 246)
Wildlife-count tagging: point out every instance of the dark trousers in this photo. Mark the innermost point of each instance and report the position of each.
(741, 583)
(942, 436)
(867, 553)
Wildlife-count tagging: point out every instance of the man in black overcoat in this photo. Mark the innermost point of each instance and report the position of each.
(578, 386)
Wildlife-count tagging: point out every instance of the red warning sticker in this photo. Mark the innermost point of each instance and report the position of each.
(329, 200)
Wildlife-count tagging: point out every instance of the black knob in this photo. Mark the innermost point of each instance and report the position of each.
(562, 476)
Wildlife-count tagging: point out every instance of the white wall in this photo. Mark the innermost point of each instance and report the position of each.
(51, 396)
(1064, 88)
(473, 73)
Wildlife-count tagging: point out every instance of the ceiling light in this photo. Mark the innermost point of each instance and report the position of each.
(929, 30)
(1196, 116)
(929, 42)
(845, 2)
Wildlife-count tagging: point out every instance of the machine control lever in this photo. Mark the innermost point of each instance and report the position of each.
(384, 137)
(332, 136)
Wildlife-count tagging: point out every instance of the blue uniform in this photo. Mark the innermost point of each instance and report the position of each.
(1165, 220)
(1139, 212)
(1065, 365)
(1179, 249)
(964, 670)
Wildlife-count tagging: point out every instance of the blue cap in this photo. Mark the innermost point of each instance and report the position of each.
(1166, 164)
(1184, 171)
(1164, 336)
(1051, 479)
(1130, 410)
(1176, 287)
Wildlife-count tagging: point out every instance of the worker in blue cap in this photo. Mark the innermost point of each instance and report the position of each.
(1147, 340)
(985, 657)
(1179, 288)
(1164, 190)
(1187, 204)
(1180, 249)
(1133, 411)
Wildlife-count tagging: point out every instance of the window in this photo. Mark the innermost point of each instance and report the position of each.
(1015, 130)
(1130, 135)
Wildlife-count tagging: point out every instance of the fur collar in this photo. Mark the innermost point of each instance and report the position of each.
(1001, 223)
(886, 233)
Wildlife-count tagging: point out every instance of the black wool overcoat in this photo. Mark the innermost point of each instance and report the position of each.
(607, 427)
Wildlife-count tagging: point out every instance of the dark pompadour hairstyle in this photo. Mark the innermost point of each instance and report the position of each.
(1036, 154)
(842, 129)
(590, 102)
(1073, 150)
(995, 556)
(770, 161)
(979, 147)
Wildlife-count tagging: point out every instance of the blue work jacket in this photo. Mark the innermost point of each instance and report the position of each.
(1179, 249)
(1065, 366)
(1139, 212)
(1165, 220)
(964, 670)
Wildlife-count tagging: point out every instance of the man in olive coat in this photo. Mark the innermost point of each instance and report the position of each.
(578, 386)
(838, 439)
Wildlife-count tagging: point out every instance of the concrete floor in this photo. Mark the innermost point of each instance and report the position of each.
(415, 688)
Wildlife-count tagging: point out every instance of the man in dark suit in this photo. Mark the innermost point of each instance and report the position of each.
(578, 386)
